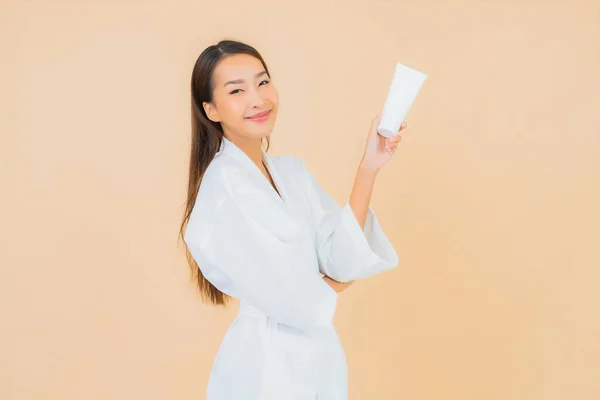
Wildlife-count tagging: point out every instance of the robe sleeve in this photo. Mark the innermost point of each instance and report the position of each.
(242, 259)
(345, 251)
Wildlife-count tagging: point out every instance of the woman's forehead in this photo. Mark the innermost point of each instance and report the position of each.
(238, 66)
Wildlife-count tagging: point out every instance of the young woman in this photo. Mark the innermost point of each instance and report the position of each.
(260, 228)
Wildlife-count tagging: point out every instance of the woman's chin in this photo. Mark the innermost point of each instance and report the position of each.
(260, 132)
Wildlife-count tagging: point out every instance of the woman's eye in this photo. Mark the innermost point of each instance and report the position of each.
(236, 90)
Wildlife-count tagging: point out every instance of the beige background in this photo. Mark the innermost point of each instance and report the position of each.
(491, 200)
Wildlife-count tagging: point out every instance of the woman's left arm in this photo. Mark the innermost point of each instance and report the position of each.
(349, 240)
(378, 151)
(360, 197)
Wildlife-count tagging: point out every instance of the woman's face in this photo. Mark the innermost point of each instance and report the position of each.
(242, 89)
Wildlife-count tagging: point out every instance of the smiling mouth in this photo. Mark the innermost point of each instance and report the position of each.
(260, 116)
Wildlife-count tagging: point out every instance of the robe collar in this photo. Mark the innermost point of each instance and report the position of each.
(257, 198)
(246, 163)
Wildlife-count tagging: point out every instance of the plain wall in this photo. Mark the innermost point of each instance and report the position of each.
(492, 199)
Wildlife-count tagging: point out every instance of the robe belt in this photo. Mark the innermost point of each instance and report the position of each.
(267, 323)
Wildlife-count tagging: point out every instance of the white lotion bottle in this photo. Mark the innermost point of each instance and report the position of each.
(403, 91)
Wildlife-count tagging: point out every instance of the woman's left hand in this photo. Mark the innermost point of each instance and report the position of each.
(379, 149)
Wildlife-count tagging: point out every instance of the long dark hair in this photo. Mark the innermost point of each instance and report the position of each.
(207, 137)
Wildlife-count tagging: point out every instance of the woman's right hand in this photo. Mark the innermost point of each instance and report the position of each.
(339, 287)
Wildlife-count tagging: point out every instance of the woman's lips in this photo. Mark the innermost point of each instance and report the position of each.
(260, 118)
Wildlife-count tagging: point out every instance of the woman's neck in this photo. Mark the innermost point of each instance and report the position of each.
(251, 147)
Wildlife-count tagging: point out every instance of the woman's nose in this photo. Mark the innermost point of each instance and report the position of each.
(256, 99)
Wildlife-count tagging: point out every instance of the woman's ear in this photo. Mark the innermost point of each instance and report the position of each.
(211, 112)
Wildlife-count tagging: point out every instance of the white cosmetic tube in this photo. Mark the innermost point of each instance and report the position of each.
(402, 93)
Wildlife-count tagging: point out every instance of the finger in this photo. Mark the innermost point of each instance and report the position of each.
(392, 142)
(391, 146)
(375, 121)
(403, 126)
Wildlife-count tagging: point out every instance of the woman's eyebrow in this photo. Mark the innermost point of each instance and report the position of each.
(236, 81)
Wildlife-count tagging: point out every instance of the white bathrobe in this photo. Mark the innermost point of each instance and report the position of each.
(269, 251)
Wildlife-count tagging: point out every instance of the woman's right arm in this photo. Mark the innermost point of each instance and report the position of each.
(339, 287)
(241, 258)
